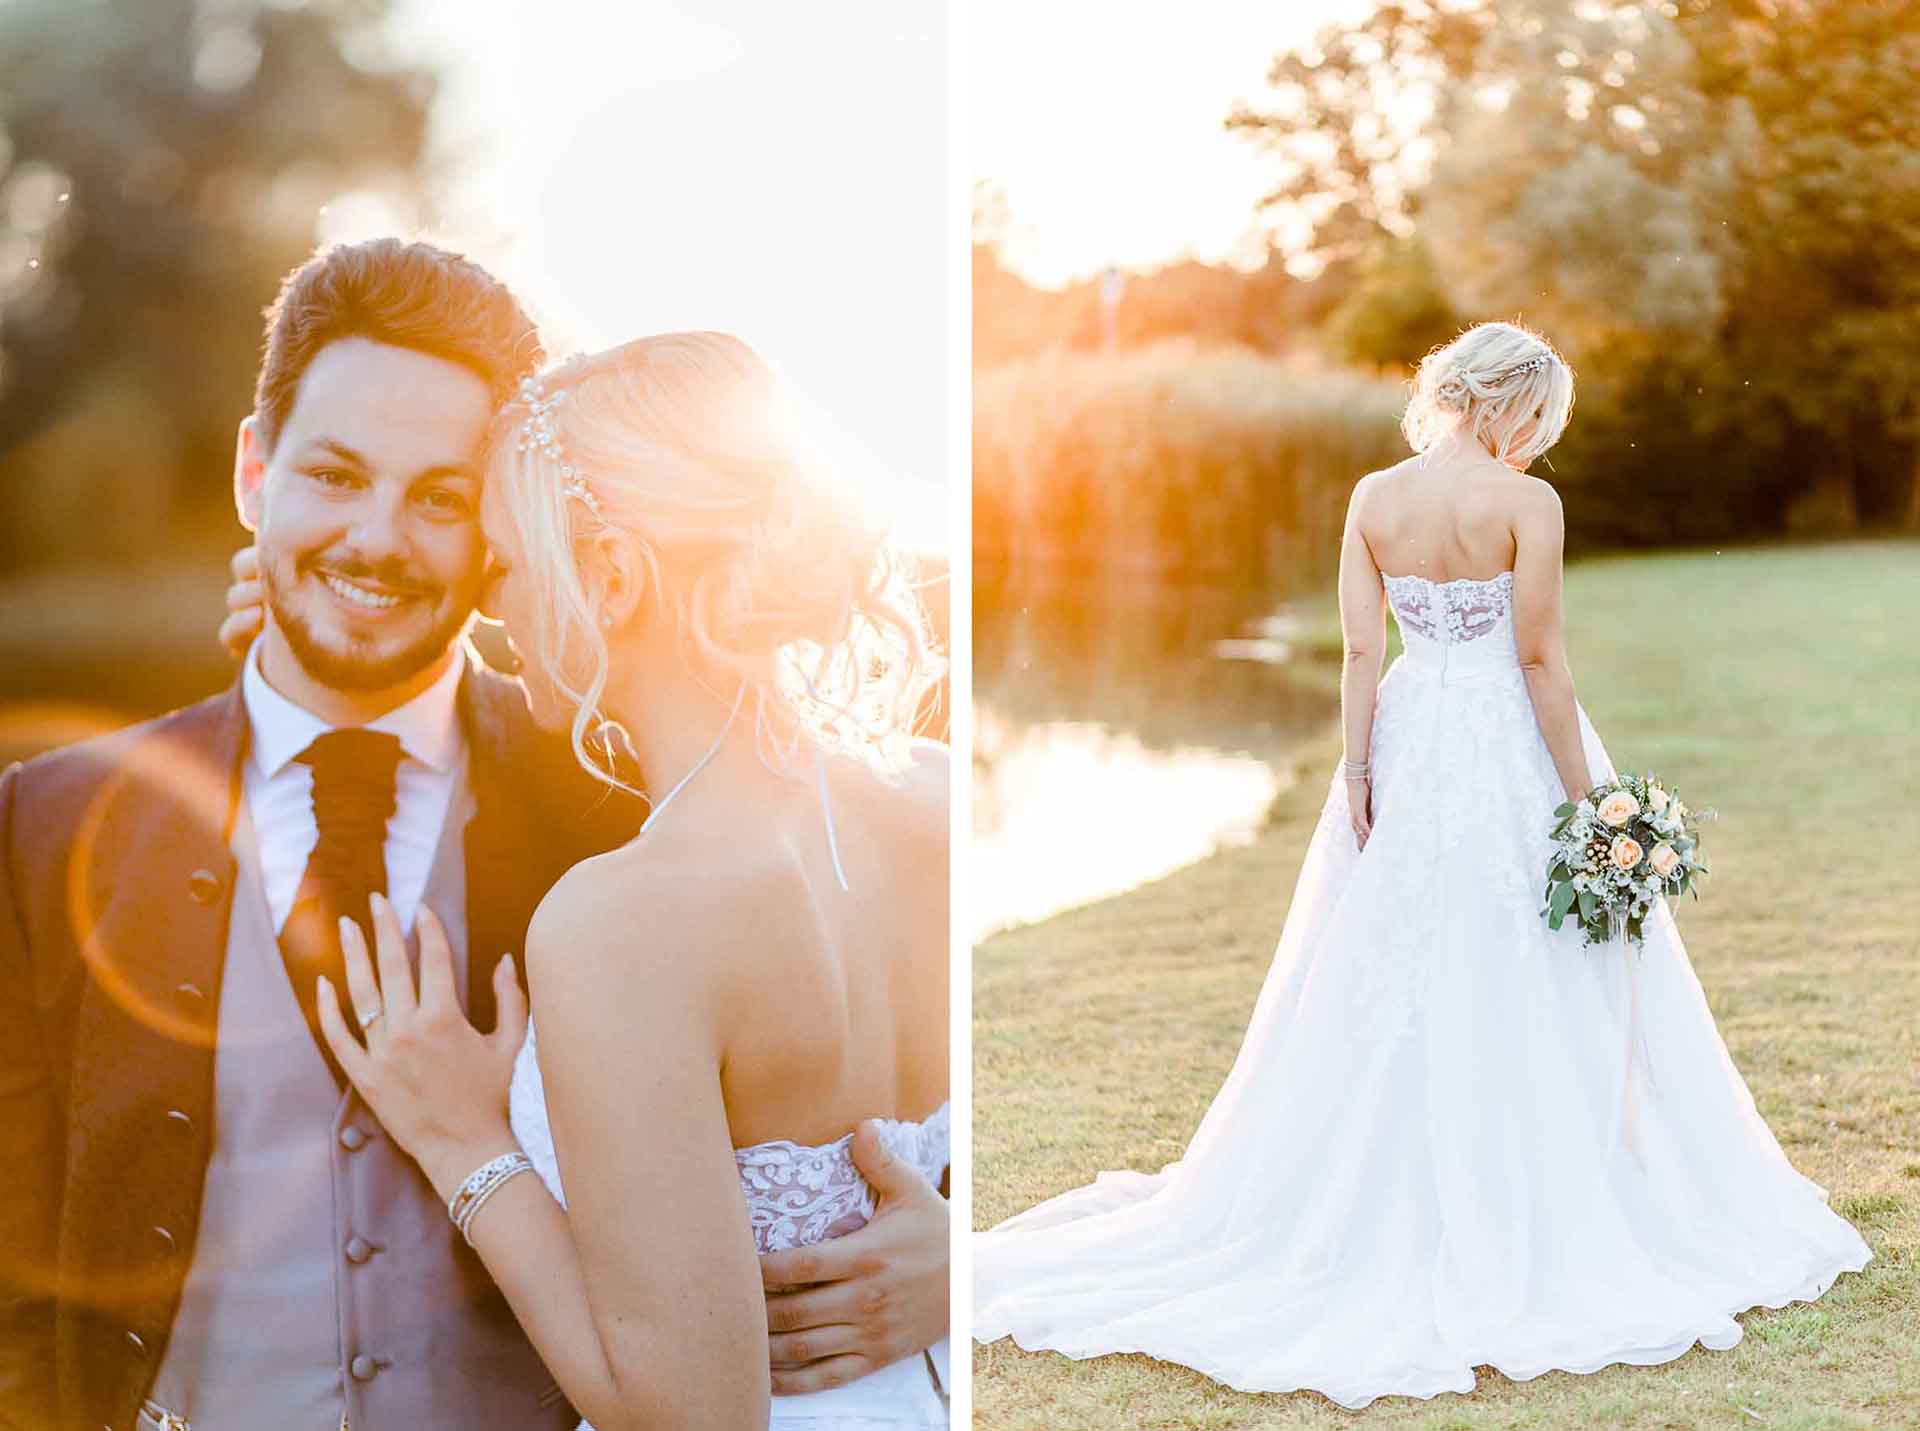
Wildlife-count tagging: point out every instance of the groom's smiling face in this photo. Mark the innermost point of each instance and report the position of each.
(365, 510)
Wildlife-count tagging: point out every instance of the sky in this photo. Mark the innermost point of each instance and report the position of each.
(1101, 126)
(783, 172)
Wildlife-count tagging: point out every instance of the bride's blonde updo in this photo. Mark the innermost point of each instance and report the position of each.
(1503, 385)
(774, 586)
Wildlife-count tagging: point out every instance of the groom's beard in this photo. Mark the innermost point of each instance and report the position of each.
(332, 653)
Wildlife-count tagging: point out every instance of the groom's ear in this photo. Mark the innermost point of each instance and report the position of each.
(249, 472)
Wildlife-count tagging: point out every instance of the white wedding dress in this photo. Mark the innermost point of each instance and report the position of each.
(796, 1196)
(1452, 1138)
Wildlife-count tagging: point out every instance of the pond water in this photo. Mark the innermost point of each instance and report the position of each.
(1123, 732)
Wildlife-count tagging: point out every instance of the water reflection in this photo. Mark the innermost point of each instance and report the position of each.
(1121, 732)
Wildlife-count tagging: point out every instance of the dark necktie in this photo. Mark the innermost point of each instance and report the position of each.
(353, 796)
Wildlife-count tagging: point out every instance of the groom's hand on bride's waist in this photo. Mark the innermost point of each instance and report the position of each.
(840, 1309)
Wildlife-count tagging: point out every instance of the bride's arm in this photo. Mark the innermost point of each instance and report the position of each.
(1539, 539)
(643, 1297)
(1363, 634)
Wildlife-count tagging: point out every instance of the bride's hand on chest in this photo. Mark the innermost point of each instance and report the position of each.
(437, 1084)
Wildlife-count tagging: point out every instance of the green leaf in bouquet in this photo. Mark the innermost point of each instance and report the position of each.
(1564, 811)
(1563, 898)
(1589, 903)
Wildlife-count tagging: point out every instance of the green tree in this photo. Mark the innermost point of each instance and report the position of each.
(1397, 311)
(1713, 206)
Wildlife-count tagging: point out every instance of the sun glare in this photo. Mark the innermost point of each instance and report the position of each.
(643, 169)
(1102, 129)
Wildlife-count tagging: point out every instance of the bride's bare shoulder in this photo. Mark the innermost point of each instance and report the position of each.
(699, 900)
(1534, 499)
(660, 909)
(1386, 479)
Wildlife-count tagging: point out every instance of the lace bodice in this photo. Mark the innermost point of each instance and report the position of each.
(796, 1195)
(1450, 612)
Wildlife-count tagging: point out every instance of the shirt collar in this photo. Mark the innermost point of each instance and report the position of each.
(428, 725)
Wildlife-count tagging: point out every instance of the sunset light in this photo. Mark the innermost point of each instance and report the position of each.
(636, 169)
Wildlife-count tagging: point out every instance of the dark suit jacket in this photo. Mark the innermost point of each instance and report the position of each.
(115, 882)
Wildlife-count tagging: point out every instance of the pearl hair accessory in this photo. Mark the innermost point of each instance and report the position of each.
(1531, 365)
(537, 433)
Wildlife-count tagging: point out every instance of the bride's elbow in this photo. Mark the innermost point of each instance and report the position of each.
(685, 1407)
(655, 1393)
(1546, 667)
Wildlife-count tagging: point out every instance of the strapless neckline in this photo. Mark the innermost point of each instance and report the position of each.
(796, 1193)
(1493, 580)
(940, 1116)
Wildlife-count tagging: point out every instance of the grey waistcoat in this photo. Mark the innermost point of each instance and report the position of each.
(328, 1286)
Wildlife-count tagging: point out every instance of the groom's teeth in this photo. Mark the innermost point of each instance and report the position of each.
(359, 596)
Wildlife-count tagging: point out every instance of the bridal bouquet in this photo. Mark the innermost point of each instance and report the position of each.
(1617, 851)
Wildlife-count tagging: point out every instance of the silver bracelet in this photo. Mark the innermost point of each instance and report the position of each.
(1355, 769)
(482, 1183)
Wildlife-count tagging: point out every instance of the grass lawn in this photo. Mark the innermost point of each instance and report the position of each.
(1760, 681)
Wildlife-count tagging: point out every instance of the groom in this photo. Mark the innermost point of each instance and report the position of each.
(200, 1222)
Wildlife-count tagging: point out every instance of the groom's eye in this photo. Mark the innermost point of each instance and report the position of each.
(447, 502)
(335, 477)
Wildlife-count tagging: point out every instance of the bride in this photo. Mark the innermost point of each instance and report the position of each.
(721, 1000)
(1451, 1137)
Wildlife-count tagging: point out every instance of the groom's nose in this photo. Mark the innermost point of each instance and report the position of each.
(379, 530)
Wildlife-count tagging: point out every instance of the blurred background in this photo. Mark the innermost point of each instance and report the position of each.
(626, 168)
(1212, 240)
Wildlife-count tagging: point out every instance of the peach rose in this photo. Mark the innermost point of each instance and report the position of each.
(1625, 852)
(1618, 808)
(1657, 798)
(1665, 859)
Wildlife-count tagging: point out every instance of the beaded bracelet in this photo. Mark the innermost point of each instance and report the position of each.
(482, 1183)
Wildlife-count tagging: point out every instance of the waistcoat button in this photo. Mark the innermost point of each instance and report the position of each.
(358, 1249)
(352, 1138)
(204, 886)
(362, 1367)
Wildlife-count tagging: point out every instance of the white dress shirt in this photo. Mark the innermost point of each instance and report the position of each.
(279, 788)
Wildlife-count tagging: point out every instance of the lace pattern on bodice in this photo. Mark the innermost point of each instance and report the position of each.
(796, 1195)
(1450, 612)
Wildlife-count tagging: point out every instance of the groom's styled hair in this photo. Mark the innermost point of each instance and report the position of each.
(407, 295)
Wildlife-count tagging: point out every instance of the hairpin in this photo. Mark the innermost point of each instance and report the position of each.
(537, 433)
(1531, 365)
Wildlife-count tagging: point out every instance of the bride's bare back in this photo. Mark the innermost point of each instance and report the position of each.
(847, 1017)
(827, 1006)
(1454, 513)
(1445, 520)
